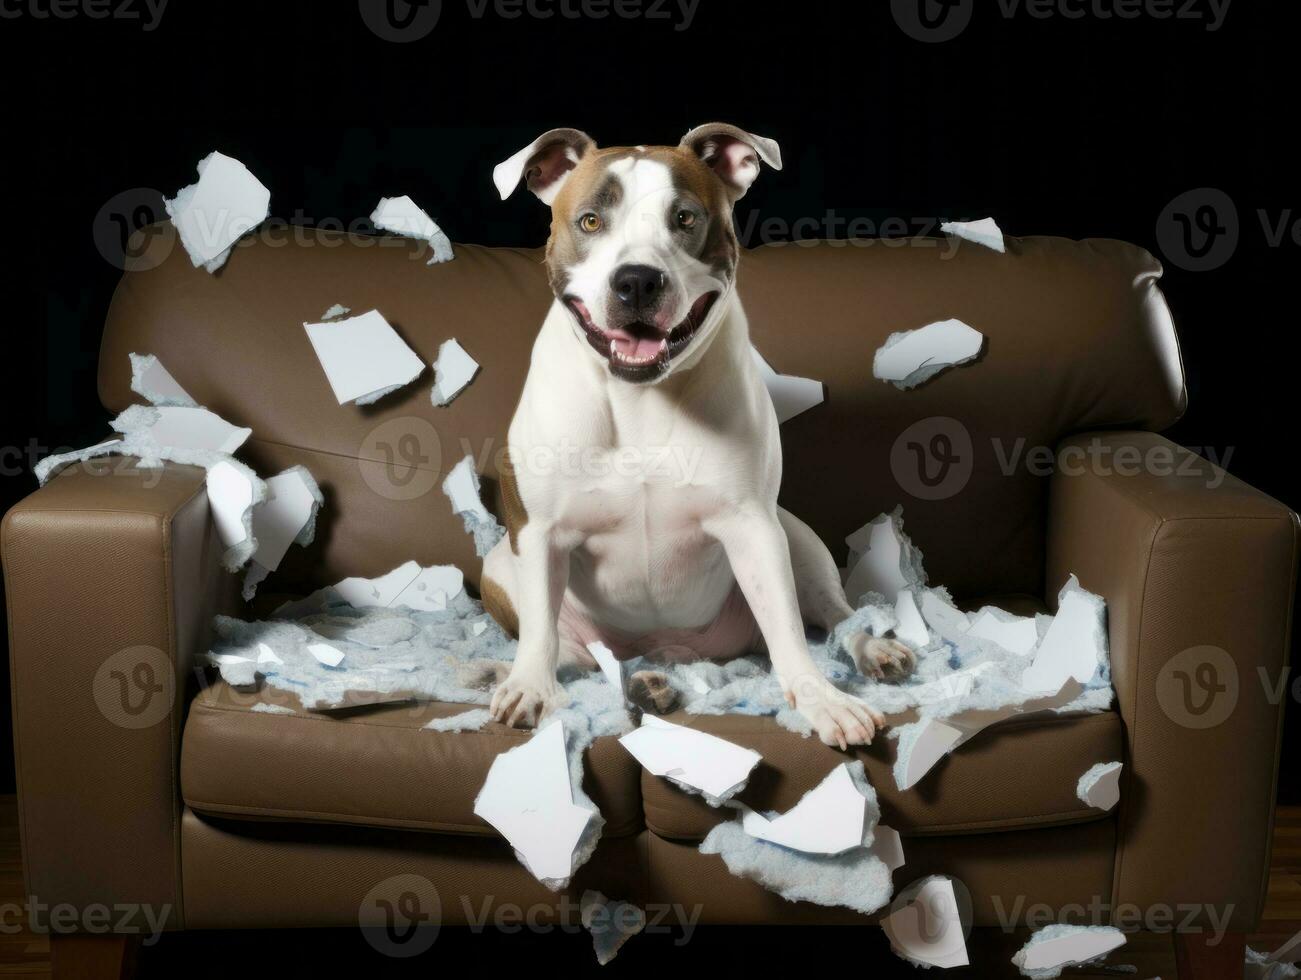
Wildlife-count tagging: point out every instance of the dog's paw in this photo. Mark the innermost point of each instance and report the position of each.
(481, 675)
(650, 690)
(880, 658)
(839, 718)
(523, 700)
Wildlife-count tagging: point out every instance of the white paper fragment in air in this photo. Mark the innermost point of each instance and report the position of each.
(325, 654)
(407, 585)
(462, 487)
(610, 665)
(196, 429)
(791, 395)
(880, 569)
(231, 493)
(1068, 947)
(403, 216)
(528, 798)
(152, 381)
(714, 766)
(983, 232)
(828, 819)
(1075, 644)
(928, 930)
(453, 370)
(1017, 634)
(909, 357)
(887, 846)
(1100, 786)
(212, 214)
(944, 617)
(430, 590)
(279, 519)
(363, 357)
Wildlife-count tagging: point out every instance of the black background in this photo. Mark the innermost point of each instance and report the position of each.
(1075, 126)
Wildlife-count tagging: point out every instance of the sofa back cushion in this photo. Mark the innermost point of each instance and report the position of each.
(1078, 337)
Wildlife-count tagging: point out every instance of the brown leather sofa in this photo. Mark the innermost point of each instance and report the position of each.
(142, 780)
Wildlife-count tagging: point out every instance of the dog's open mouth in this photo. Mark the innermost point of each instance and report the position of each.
(640, 351)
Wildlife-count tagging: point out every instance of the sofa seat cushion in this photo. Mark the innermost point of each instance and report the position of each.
(1016, 775)
(373, 767)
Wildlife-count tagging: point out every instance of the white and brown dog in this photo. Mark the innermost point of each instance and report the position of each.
(645, 458)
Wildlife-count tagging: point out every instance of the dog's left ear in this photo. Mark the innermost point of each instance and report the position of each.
(544, 164)
(733, 154)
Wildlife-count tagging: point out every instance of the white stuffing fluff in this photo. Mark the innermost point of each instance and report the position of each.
(403, 216)
(334, 312)
(855, 879)
(466, 721)
(1091, 777)
(983, 232)
(611, 923)
(1259, 966)
(267, 708)
(1057, 932)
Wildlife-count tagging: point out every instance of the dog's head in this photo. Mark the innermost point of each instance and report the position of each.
(642, 244)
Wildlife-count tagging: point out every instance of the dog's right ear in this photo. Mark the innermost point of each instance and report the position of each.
(544, 164)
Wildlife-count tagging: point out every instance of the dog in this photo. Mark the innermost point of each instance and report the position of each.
(644, 457)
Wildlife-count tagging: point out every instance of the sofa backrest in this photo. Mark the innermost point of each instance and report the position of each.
(1078, 337)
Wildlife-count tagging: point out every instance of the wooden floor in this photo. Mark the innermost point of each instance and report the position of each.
(199, 954)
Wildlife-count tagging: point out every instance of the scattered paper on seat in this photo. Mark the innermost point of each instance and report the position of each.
(1015, 633)
(1053, 948)
(887, 847)
(611, 923)
(286, 516)
(931, 739)
(453, 370)
(910, 628)
(791, 395)
(614, 669)
(910, 357)
(944, 617)
(928, 929)
(326, 654)
(403, 216)
(363, 357)
(155, 383)
(212, 214)
(409, 585)
(528, 799)
(462, 489)
(983, 232)
(1100, 786)
(882, 559)
(712, 766)
(829, 819)
(1075, 644)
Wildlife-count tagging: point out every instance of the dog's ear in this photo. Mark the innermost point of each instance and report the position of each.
(733, 154)
(543, 164)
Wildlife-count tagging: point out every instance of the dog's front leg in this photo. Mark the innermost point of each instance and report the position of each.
(531, 691)
(759, 554)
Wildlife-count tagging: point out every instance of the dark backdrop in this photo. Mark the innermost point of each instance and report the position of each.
(1088, 125)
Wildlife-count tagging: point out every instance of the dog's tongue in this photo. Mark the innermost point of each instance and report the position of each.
(638, 348)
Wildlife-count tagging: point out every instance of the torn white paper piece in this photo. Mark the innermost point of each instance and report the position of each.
(231, 493)
(829, 819)
(909, 357)
(610, 665)
(430, 590)
(1100, 786)
(944, 617)
(1075, 644)
(928, 929)
(887, 846)
(363, 357)
(408, 585)
(880, 567)
(403, 216)
(1017, 634)
(326, 654)
(1053, 948)
(380, 591)
(462, 487)
(155, 383)
(196, 429)
(453, 370)
(983, 232)
(934, 738)
(265, 655)
(292, 499)
(527, 797)
(212, 214)
(791, 395)
(911, 628)
(714, 766)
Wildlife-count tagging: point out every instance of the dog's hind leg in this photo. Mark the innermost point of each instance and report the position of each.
(823, 604)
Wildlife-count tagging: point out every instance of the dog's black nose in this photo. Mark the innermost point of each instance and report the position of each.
(638, 286)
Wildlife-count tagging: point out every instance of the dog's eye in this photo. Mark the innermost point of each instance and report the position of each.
(590, 222)
(686, 219)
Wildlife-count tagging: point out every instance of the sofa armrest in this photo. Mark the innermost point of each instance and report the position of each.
(112, 576)
(1198, 570)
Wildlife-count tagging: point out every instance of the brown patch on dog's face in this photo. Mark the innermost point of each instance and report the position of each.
(641, 247)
